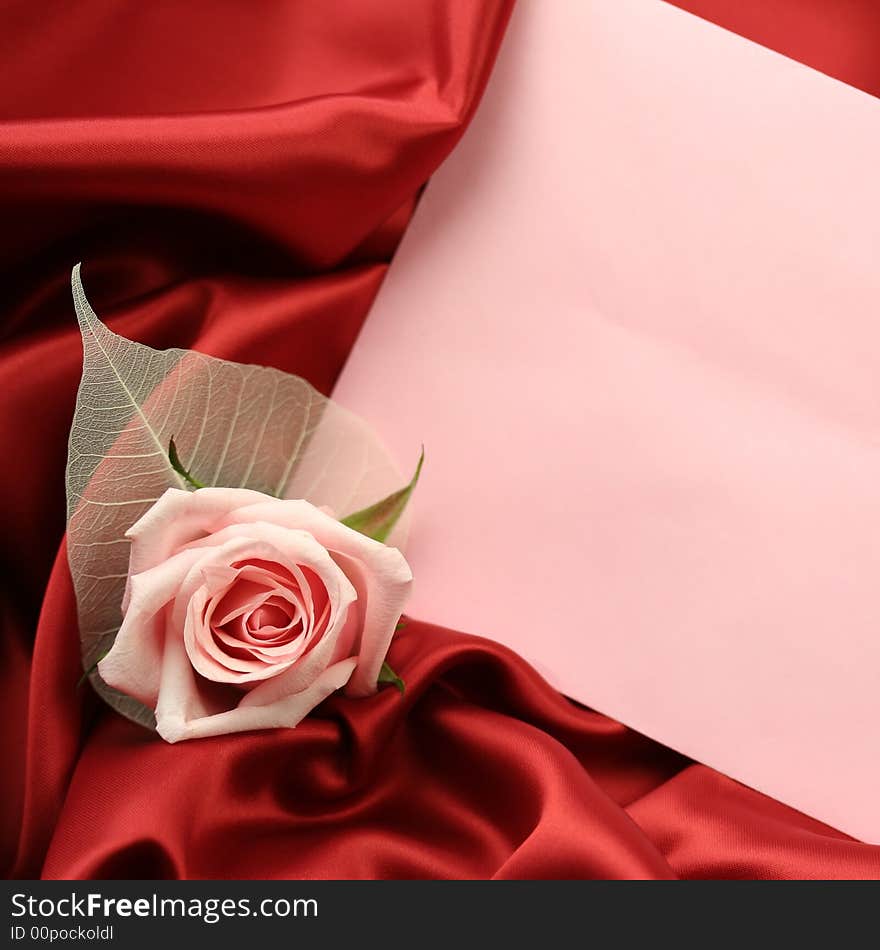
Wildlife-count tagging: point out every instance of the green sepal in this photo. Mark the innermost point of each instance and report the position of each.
(378, 521)
(90, 670)
(387, 675)
(177, 465)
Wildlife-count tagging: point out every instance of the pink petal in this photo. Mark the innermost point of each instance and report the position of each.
(290, 548)
(209, 659)
(176, 722)
(385, 577)
(179, 517)
(182, 696)
(134, 661)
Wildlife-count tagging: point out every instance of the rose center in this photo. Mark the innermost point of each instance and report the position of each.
(262, 618)
(270, 616)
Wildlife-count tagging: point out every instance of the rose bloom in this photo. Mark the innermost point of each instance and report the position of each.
(244, 611)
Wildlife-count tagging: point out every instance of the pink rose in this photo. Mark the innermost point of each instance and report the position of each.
(244, 611)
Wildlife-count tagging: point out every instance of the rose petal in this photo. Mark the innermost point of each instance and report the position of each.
(334, 644)
(385, 577)
(283, 546)
(285, 712)
(209, 658)
(179, 517)
(182, 698)
(134, 661)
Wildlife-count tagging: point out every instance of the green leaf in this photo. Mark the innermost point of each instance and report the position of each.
(387, 675)
(177, 465)
(378, 521)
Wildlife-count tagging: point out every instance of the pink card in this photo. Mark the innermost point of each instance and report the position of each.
(636, 324)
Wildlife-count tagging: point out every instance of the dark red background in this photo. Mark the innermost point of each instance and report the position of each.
(235, 178)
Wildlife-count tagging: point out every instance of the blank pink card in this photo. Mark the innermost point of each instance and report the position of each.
(636, 324)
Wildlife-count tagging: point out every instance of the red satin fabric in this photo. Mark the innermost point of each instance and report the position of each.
(837, 37)
(237, 183)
